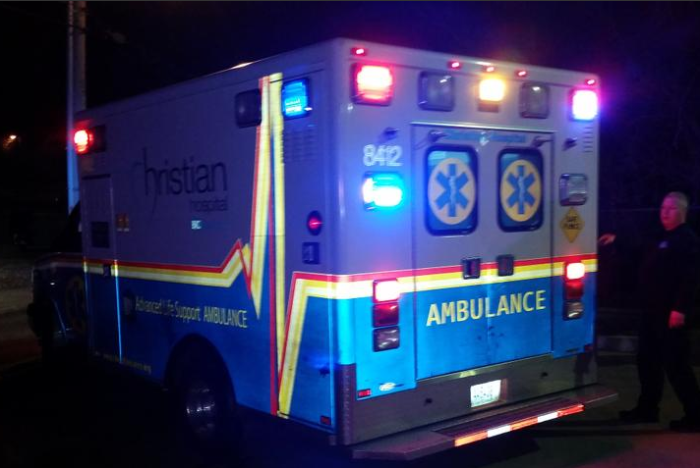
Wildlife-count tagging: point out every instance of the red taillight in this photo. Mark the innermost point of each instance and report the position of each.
(574, 274)
(82, 140)
(385, 315)
(373, 84)
(575, 271)
(386, 291)
(364, 393)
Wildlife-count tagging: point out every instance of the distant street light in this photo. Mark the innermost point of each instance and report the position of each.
(10, 141)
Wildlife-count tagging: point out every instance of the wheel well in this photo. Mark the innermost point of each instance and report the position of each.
(193, 347)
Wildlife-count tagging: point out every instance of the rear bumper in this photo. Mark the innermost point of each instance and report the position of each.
(445, 435)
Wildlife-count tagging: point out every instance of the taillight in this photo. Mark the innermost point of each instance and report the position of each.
(385, 313)
(575, 271)
(386, 291)
(574, 274)
(584, 104)
(372, 84)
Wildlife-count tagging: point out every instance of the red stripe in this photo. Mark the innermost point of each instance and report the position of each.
(348, 278)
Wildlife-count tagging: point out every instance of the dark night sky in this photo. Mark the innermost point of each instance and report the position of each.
(647, 54)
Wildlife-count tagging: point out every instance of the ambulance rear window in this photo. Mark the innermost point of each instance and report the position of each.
(451, 190)
(521, 189)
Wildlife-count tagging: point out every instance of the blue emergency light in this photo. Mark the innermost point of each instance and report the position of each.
(295, 99)
(382, 190)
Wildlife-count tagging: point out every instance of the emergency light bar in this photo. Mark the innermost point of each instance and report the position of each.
(82, 140)
(382, 190)
(492, 90)
(89, 140)
(372, 84)
(295, 99)
(584, 104)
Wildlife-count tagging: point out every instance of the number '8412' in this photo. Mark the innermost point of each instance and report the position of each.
(382, 155)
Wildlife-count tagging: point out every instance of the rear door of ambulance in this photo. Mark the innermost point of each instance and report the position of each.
(482, 242)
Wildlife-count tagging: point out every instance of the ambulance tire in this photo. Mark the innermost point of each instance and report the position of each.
(206, 412)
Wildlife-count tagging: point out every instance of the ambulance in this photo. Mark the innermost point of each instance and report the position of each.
(395, 247)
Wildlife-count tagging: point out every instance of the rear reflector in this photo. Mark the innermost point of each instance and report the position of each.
(372, 84)
(364, 393)
(514, 426)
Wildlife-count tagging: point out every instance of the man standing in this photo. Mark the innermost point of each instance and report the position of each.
(668, 278)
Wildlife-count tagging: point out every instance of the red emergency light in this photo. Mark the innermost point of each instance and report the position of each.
(82, 140)
(372, 84)
(89, 140)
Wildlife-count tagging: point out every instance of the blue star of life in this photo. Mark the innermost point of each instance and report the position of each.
(521, 186)
(452, 194)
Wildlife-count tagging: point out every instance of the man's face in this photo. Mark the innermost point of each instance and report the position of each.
(672, 214)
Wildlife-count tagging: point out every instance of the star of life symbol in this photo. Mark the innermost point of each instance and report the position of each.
(451, 191)
(521, 190)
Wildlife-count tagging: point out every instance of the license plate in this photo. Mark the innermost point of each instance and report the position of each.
(485, 393)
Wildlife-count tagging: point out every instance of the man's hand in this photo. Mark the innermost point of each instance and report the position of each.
(676, 320)
(606, 239)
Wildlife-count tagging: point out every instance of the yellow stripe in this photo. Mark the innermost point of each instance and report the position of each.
(296, 325)
(262, 198)
(280, 286)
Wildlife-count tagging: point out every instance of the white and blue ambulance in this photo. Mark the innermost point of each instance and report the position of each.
(396, 247)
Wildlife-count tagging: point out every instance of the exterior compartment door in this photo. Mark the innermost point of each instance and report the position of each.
(102, 280)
